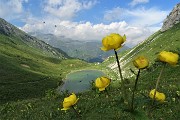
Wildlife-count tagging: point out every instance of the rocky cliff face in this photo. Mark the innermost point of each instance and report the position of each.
(172, 19)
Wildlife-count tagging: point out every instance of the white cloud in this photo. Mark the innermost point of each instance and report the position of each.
(114, 14)
(11, 9)
(87, 31)
(141, 22)
(66, 9)
(136, 23)
(136, 2)
(138, 17)
(147, 17)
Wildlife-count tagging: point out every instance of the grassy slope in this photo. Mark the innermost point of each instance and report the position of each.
(93, 106)
(28, 72)
(168, 40)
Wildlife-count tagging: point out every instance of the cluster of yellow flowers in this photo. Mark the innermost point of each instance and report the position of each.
(168, 57)
(100, 82)
(114, 42)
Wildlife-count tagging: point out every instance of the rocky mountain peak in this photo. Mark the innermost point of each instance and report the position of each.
(9, 29)
(172, 19)
(6, 28)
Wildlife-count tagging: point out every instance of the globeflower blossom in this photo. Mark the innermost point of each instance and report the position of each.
(69, 101)
(141, 62)
(113, 41)
(102, 83)
(168, 57)
(158, 97)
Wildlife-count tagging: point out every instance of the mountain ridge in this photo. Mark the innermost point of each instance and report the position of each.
(86, 50)
(172, 19)
(10, 30)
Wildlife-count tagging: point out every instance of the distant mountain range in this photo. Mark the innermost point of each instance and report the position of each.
(86, 50)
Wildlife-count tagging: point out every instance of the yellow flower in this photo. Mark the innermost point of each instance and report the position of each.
(69, 101)
(159, 96)
(168, 57)
(113, 41)
(102, 83)
(141, 62)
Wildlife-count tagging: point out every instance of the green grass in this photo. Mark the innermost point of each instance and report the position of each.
(93, 105)
(28, 80)
(27, 71)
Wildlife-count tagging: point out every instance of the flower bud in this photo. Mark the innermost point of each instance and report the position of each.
(102, 83)
(141, 62)
(69, 101)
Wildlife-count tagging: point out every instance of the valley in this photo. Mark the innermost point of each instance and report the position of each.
(29, 66)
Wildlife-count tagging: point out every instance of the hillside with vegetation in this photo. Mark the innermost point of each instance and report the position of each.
(168, 40)
(29, 66)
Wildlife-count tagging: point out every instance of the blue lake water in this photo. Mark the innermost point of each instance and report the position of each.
(79, 81)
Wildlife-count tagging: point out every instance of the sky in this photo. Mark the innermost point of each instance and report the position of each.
(88, 20)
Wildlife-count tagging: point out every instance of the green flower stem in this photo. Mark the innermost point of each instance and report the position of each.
(75, 111)
(106, 92)
(133, 93)
(120, 72)
(157, 82)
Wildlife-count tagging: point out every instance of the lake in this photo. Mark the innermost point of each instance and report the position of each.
(80, 81)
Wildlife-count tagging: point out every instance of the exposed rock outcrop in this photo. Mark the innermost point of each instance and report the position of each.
(172, 19)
